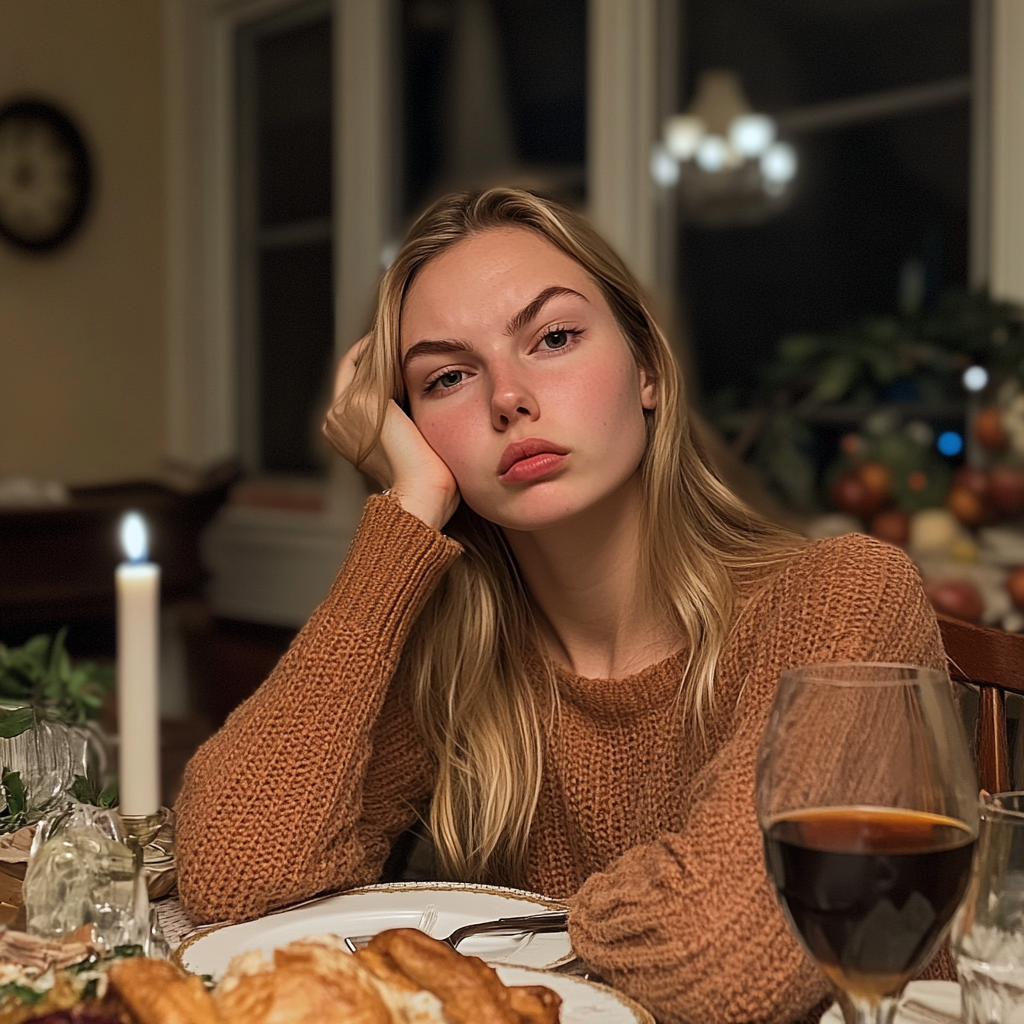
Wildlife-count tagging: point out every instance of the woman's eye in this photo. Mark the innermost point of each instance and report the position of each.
(556, 339)
(449, 379)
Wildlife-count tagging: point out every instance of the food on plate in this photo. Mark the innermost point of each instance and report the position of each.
(401, 977)
(156, 991)
(315, 981)
(470, 992)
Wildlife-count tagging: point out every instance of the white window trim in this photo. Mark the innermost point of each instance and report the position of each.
(1006, 197)
(201, 257)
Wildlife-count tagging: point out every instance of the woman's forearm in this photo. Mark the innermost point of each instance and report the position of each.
(309, 780)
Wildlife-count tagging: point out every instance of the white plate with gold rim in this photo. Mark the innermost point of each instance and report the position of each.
(378, 907)
(583, 1002)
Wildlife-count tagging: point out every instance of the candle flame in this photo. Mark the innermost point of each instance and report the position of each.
(134, 538)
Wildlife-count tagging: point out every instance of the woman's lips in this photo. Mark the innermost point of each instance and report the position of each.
(531, 459)
(533, 468)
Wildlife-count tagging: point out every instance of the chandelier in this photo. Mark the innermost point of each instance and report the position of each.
(724, 158)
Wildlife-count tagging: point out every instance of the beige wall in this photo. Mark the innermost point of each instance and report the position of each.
(82, 375)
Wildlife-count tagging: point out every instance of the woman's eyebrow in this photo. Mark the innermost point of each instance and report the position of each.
(531, 309)
(426, 348)
(515, 324)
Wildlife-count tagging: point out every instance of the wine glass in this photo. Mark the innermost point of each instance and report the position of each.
(868, 803)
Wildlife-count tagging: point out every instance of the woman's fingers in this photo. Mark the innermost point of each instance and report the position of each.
(347, 368)
(351, 420)
(400, 458)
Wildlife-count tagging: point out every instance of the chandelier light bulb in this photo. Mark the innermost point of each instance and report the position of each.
(664, 168)
(683, 133)
(752, 134)
(975, 378)
(778, 165)
(712, 154)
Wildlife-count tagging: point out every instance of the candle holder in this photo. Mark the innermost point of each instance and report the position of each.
(140, 830)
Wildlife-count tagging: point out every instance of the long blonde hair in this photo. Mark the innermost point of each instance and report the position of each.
(463, 663)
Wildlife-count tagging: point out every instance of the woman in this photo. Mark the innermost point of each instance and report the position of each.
(571, 683)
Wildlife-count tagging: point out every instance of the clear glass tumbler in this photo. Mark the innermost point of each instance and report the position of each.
(988, 932)
(868, 803)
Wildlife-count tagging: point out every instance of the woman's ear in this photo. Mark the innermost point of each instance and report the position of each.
(648, 389)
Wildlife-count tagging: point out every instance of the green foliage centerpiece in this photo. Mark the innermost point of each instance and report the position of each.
(49, 734)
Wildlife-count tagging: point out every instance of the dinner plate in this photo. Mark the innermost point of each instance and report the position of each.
(378, 907)
(583, 1002)
(939, 999)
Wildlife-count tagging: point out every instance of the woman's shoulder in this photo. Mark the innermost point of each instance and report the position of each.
(843, 598)
(853, 553)
(853, 560)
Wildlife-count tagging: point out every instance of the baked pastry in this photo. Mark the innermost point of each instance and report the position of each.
(156, 992)
(309, 982)
(401, 977)
(470, 992)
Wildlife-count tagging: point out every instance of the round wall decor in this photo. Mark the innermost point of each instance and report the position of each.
(45, 175)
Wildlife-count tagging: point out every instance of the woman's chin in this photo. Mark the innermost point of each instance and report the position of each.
(532, 510)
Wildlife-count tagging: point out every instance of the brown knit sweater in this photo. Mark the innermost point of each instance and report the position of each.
(650, 831)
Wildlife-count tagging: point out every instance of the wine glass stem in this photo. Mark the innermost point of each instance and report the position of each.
(859, 1011)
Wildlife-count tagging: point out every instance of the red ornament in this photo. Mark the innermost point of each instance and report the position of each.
(891, 525)
(1015, 585)
(850, 445)
(849, 495)
(917, 481)
(967, 506)
(1006, 488)
(989, 430)
(958, 598)
(877, 480)
(973, 480)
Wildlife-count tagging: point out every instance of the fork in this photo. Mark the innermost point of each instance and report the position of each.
(551, 921)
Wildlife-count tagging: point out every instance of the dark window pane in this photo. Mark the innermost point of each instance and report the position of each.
(542, 71)
(294, 124)
(867, 197)
(296, 350)
(544, 43)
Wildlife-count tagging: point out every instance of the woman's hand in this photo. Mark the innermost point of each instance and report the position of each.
(401, 460)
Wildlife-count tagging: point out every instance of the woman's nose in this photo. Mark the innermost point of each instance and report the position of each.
(511, 400)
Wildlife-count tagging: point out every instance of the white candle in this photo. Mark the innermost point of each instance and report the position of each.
(138, 616)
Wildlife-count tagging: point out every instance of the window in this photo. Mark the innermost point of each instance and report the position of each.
(869, 197)
(286, 288)
(493, 91)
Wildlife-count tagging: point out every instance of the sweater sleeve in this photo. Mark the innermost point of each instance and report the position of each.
(689, 923)
(311, 779)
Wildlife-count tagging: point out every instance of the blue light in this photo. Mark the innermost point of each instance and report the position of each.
(950, 443)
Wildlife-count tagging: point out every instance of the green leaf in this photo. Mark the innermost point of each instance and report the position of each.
(110, 797)
(834, 381)
(83, 789)
(15, 721)
(42, 672)
(129, 951)
(14, 791)
(86, 790)
(27, 996)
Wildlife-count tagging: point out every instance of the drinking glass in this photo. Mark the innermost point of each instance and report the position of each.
(988, 930)
(868, 803)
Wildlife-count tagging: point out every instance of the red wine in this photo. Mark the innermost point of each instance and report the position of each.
(869, 890)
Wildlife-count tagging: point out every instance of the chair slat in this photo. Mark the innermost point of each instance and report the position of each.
(986, 657)
(993, 749)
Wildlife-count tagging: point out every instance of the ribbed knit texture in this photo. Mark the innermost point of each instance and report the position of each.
(651, 832)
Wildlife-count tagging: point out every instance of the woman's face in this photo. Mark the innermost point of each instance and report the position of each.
(520, 379)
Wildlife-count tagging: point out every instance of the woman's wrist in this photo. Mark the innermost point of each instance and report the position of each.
(432, 504)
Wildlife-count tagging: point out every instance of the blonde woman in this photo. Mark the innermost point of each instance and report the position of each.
(555, 638)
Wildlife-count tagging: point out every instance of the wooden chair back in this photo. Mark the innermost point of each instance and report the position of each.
(993, 661)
